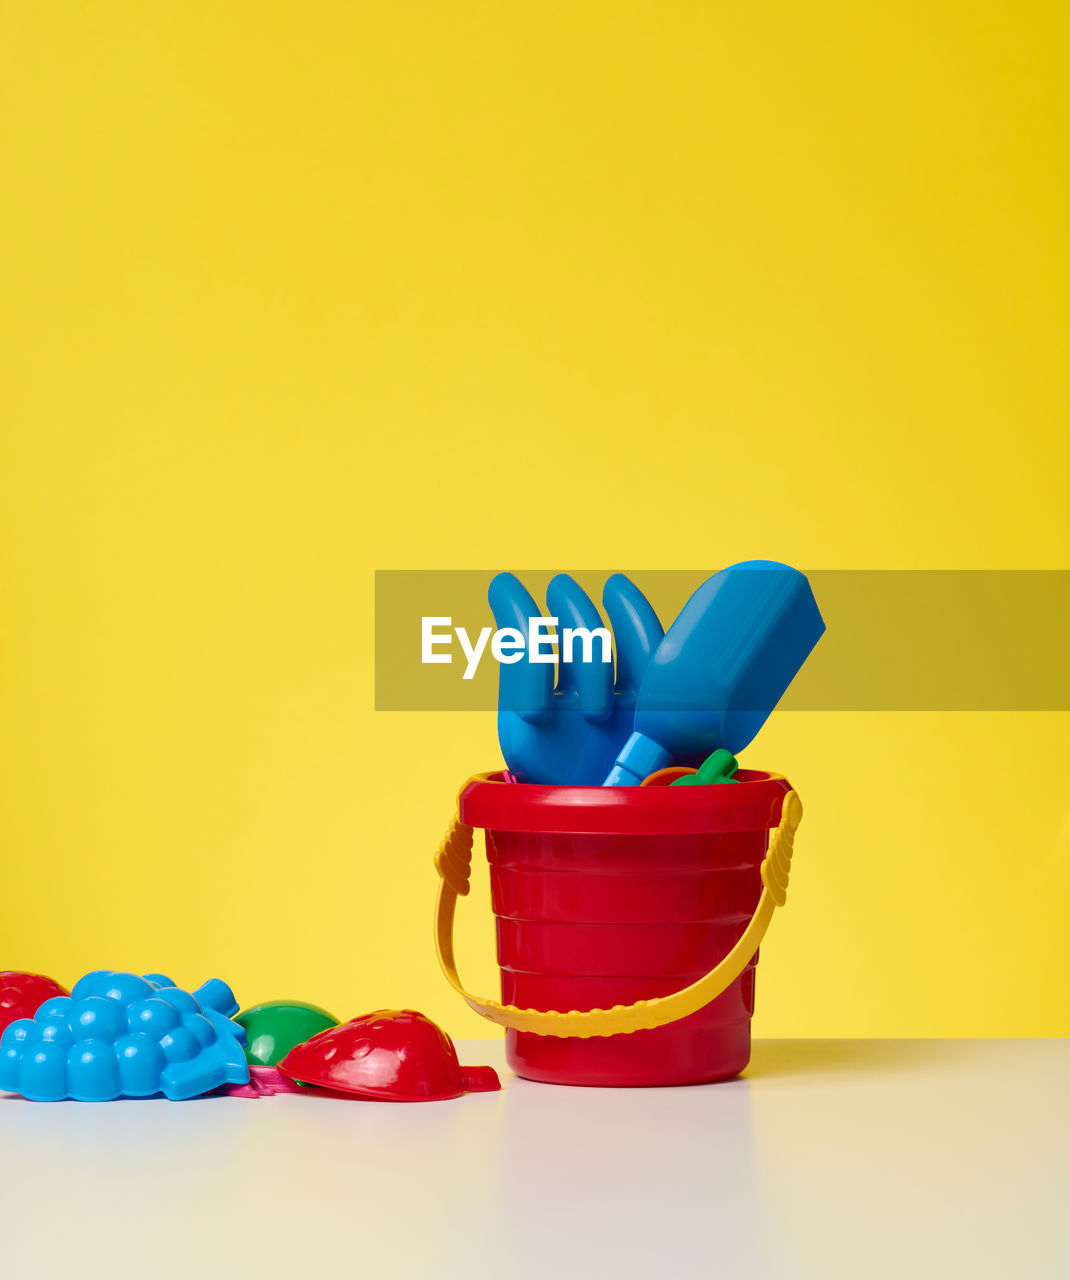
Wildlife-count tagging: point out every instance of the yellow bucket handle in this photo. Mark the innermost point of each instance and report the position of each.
(453, 861)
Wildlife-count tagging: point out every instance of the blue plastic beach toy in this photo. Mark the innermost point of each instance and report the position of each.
(571, 736)
(721, 669)
(118, 1035)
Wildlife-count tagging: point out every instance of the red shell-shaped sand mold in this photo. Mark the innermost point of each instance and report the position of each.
(390, 1055)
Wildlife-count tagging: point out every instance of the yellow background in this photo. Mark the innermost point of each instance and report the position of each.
(292, 292)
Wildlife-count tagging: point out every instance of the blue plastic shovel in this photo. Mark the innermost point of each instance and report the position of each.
(722, 667)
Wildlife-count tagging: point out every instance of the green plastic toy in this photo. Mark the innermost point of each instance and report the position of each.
(277, 1026)
(718, 767)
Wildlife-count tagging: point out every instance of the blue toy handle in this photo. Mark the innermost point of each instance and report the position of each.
(639, 758)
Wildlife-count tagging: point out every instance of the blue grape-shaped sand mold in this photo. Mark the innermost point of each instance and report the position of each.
(119, 1035)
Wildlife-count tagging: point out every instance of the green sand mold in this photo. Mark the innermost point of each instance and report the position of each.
(277, 1026)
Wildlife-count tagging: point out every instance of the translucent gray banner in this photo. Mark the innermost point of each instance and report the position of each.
(897, 640)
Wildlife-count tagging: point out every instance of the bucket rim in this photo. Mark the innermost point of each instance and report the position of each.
(752, 803)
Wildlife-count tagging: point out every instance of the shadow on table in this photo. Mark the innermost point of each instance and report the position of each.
(791, 1058)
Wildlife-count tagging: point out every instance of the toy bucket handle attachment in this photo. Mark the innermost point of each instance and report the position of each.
(453, 862)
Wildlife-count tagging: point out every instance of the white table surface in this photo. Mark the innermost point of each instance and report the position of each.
(829, 1158)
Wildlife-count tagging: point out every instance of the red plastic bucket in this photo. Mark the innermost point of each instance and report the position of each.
(609, 895)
